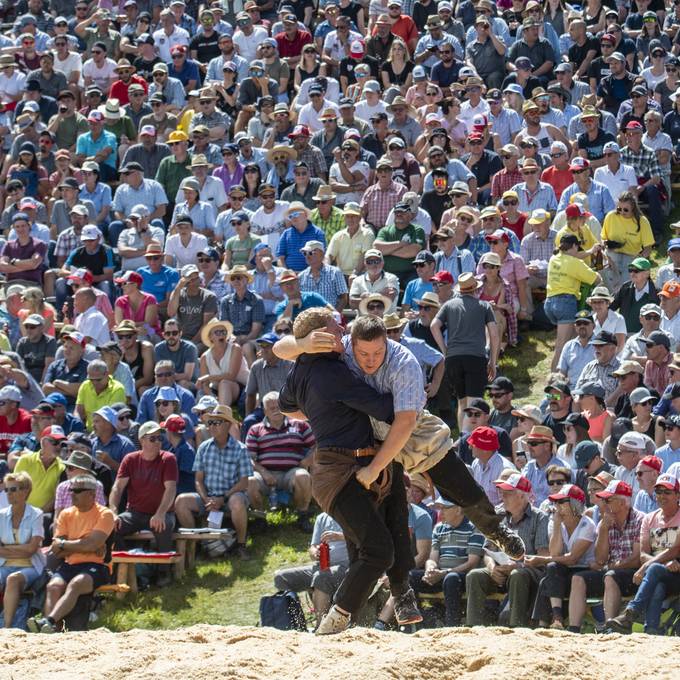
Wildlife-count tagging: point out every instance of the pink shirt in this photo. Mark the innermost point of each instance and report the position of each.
(64, 499)
(657, 535)
(123, 303)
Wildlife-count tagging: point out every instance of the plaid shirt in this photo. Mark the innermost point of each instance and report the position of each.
(64, 498)
(658, 376)
(242, 313)
(67, 242)
(544, 197)
(330, 226)
(316, 163)
(602, 374)
(330, 284)
(621, 541)
(222, 468)
(535, 248)
(377, 203)
(504, 180)
(644, 161)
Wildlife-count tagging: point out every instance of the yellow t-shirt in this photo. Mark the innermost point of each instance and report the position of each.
(616, 227)
(566, 273)
(91, 401)
(585, 238)
(44, 480)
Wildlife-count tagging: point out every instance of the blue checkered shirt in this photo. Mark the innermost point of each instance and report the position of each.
(543, 198)
(330, 285)
(399, 375)
(242, 313)
(222, 468)
(644, 162)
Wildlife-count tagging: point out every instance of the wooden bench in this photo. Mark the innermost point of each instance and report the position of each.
(186, 544)
(127, 575)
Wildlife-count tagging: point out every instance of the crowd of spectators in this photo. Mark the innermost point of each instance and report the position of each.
(181, 179)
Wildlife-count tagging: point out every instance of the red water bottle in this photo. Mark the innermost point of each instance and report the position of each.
(324, 556)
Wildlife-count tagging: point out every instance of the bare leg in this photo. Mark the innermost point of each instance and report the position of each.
(239, 516)
(185, 507)
(302, 489)
(227, 392)
(80, 585)
(14, 586)
(322, 603)
(577, 601)
(565, 332)
(254, 493)
(612, 598)
(462, 405)
(387, 612)
(55, 589)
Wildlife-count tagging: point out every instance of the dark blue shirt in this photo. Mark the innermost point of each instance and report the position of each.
(292, 240)
(118, 447)
(189, 72)
(185, 455)
(59, 370)
(336, 402)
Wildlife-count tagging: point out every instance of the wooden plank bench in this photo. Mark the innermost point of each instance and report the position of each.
(127, 575)
(186, 544)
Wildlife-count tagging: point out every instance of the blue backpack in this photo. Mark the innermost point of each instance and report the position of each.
(283, 611)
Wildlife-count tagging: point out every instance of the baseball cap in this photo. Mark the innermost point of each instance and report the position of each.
(634, 440)
(584, 452)
(671, 289)
(424, 256)
(147, 428)
(569, 491)
(268, 339)
(653, 462)
(668, 482)
(443, 276)
(10, 393)
(514, 483)
(479, 404)
(174, 423)
(484, 438)
(54, 432)
(657, 338)
(616, 488)
(590, 389)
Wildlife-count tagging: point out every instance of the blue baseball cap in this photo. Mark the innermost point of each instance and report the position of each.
(55, 398)
(674, 244)
(241, 215)
(20, 216)
(268, 339)
(257, 249)
(212, 253)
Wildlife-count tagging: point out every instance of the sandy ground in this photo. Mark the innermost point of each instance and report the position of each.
(252, 653)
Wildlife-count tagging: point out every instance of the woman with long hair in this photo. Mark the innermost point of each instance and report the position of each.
(593, 407)
(64, 168)
(497, 292)
(627, 234)
(33, 302)
(138, 306)
(252, 178)
(555, 12)
(227, 90)
(21, 536)
(308, 67)
(397, 69)
(575, 427)
(644, 421)
(97, 192)
(594, 14)
(664, 90)
(572, 549)
(651, 30)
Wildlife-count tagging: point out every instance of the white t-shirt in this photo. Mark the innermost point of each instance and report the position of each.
(334, 175)
(623, 180)
(586, 531)
(247, 44)
(101, 76)
(270, 226)
(310, 117)
(185, 255)
(363, 110)
(212, 192)
(614, 323)
(164, 42)
(73, 62)
(10, 87)
(92, 323)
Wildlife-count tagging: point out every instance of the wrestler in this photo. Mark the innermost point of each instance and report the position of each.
(416, 438)
(373, 516)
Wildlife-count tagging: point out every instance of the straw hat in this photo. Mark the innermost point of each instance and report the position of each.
(324, 193)
(394, 321)
(600, 293)
(240, 270)
(429, 299)
(212, 325)
(220, 412)
(374, 297)
(467, 284)
(282, 148)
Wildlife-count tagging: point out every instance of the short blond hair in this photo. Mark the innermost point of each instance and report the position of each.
(23, 479)
(311, 320)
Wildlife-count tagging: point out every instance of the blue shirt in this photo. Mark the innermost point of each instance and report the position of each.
(458, 172)
(147, 410)
(292, 240)
(159, 285)
(100, 197)
(536, 475)
(222, 468)
(427, 356)
(117, 448)
(59, 370)
(600, 201)
(89, 147)
(479, 245)
(420, 523)
(460, 261)
(330, 285)
(185, 455)
(668, 456)
(400, 375)
(644, 502)
(543, 198)
(415, 290)
(149, 193)
(308, 300)
(573, 359)
(189, 72)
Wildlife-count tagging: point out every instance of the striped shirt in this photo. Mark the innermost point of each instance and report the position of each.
(486, 474)
(455, 544)
(544, 197)
(279, 449)
(377, 203)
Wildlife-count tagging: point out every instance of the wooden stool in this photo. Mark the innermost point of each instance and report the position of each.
(127, 575)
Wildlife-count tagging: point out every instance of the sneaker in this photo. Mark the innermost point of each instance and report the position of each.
(242, 552)
(334, 622)
(273, 500)
(508, 541)
(34, 623)
(623, 623)
(406, 609)
(48, 627)
(381, 625)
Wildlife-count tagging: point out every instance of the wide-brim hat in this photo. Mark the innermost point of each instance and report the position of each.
(374, 297)
(282, 148)
(324, 193)
(467, 283)
(211, 326)
(600, 293)
(401, 101)
(220, 412)
(240, 270)
(392, 321)
(429, 299)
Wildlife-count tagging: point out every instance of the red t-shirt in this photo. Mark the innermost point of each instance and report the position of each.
(119, 89)
(147, 479)
(517, 227)
(292, 48)
(559, 180)
(8, 433)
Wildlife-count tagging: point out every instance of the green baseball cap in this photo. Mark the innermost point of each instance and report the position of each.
(642, 264)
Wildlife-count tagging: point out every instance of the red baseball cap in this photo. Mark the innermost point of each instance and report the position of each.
(442, 277)
(130, 277)
(475, 135)
(634, 125)
(174, 423)
(54, 432)
(498, 235)
(574, 210)
(514, 483)
(484, 438)
(653, 462)
(300, 131)
(569, 491)
(76, 337)
(616, 488)
(81, 275)
(668, 482)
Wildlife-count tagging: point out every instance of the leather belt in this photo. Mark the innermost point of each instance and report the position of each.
(368, 451)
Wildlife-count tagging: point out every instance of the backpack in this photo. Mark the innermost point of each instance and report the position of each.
(283, 611)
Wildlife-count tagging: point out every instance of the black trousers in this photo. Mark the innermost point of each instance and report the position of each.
(456, 484)
(377, 539)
